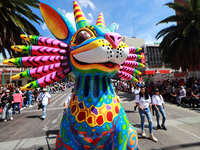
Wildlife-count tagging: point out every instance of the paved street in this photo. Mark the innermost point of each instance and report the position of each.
(28, 132)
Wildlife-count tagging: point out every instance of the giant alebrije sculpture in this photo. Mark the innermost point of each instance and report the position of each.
(95, 118)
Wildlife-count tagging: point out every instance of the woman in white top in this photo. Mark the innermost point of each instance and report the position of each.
(158, 102)
(143, 102)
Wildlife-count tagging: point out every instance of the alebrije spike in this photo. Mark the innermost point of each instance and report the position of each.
(35, 61)
(79, 16)
(130, 70)
(30, 38)
(22, 48)
(100, 21)
(133, 64)
(48, 79)
(127, 76)
(133, 49)
(134, 57)
(40, 71)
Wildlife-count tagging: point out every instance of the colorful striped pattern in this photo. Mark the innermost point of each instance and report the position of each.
(48, 79)
(127, 76)
(134, 57)
(44, 41)
(39, 50)
(35, 61)
(100, 21)
(40, 71)
(133, 49)
(129, 70)
(80, 18)
(133, 64)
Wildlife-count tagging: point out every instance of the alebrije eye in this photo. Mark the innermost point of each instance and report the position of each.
(82, 36)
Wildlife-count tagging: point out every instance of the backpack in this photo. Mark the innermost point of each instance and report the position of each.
(26, 94)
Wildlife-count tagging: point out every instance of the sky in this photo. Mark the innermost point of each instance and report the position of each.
(133, 17)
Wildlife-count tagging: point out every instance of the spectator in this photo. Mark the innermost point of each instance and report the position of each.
(17, 101)
(195, 98)
(136, 93)
(44, 97)
(182, 95)
(7, 100)
(144, 104)
(66, 104)
(158, 102)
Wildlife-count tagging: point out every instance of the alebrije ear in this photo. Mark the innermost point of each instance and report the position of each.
(58, 24)
(100, 21)
(113, 27)
(79, 16)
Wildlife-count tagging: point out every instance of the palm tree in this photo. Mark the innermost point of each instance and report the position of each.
(14, 16)
(180, 44)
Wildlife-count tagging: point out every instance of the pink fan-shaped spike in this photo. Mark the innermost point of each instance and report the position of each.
(133, 64)
(133, 49)
(127, 69)
(53, 77)
(42, 60)
(41, 51)
(44, 70)
(127, 76)
(44, 41)
(132, 57)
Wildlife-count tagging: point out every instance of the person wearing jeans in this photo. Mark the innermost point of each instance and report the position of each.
(44, 97)
(143, 102)
(158, 102)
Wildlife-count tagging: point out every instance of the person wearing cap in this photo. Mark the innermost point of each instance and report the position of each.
(143, 101)
(66, 104)
(7, 100)
(158, 103)
(44, 97)
(136, 93)
(182, 95)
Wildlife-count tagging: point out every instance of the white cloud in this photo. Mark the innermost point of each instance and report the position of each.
(44, 26)
(91, 18)
(69, 15)
(86, 3)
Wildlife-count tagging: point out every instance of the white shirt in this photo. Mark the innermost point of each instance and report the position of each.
(143, 102)
(182, 93)
(157, 99)
(136, 92)
(44, 97)
(68, 100)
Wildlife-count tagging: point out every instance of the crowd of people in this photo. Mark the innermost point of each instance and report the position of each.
(12, 98)
(180, 92)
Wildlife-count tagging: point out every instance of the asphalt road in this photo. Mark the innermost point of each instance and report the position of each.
(28, 132)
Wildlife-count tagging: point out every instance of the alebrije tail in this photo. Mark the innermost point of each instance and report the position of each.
(48, 79)
(127, 76)
(129, 70)
(133, 49)
(35, 61)
(134, 57)
(39, 50)
(41, 71)
(133, 64)
(44, 41)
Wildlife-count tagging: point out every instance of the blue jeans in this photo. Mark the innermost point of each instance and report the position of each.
(6, 111)
(148, 115)
(29, 101)
(18, 105)
(158, 114)
(44, 108)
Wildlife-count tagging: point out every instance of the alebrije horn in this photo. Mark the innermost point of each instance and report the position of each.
(80, 19)
(100, 21)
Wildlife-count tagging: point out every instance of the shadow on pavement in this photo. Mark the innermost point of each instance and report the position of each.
(35, 116)
(182, 146)
(48, 136)
(129, 111)
(40, 148)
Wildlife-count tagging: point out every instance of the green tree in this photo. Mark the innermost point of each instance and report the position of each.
(180, 43)
(14, 20)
